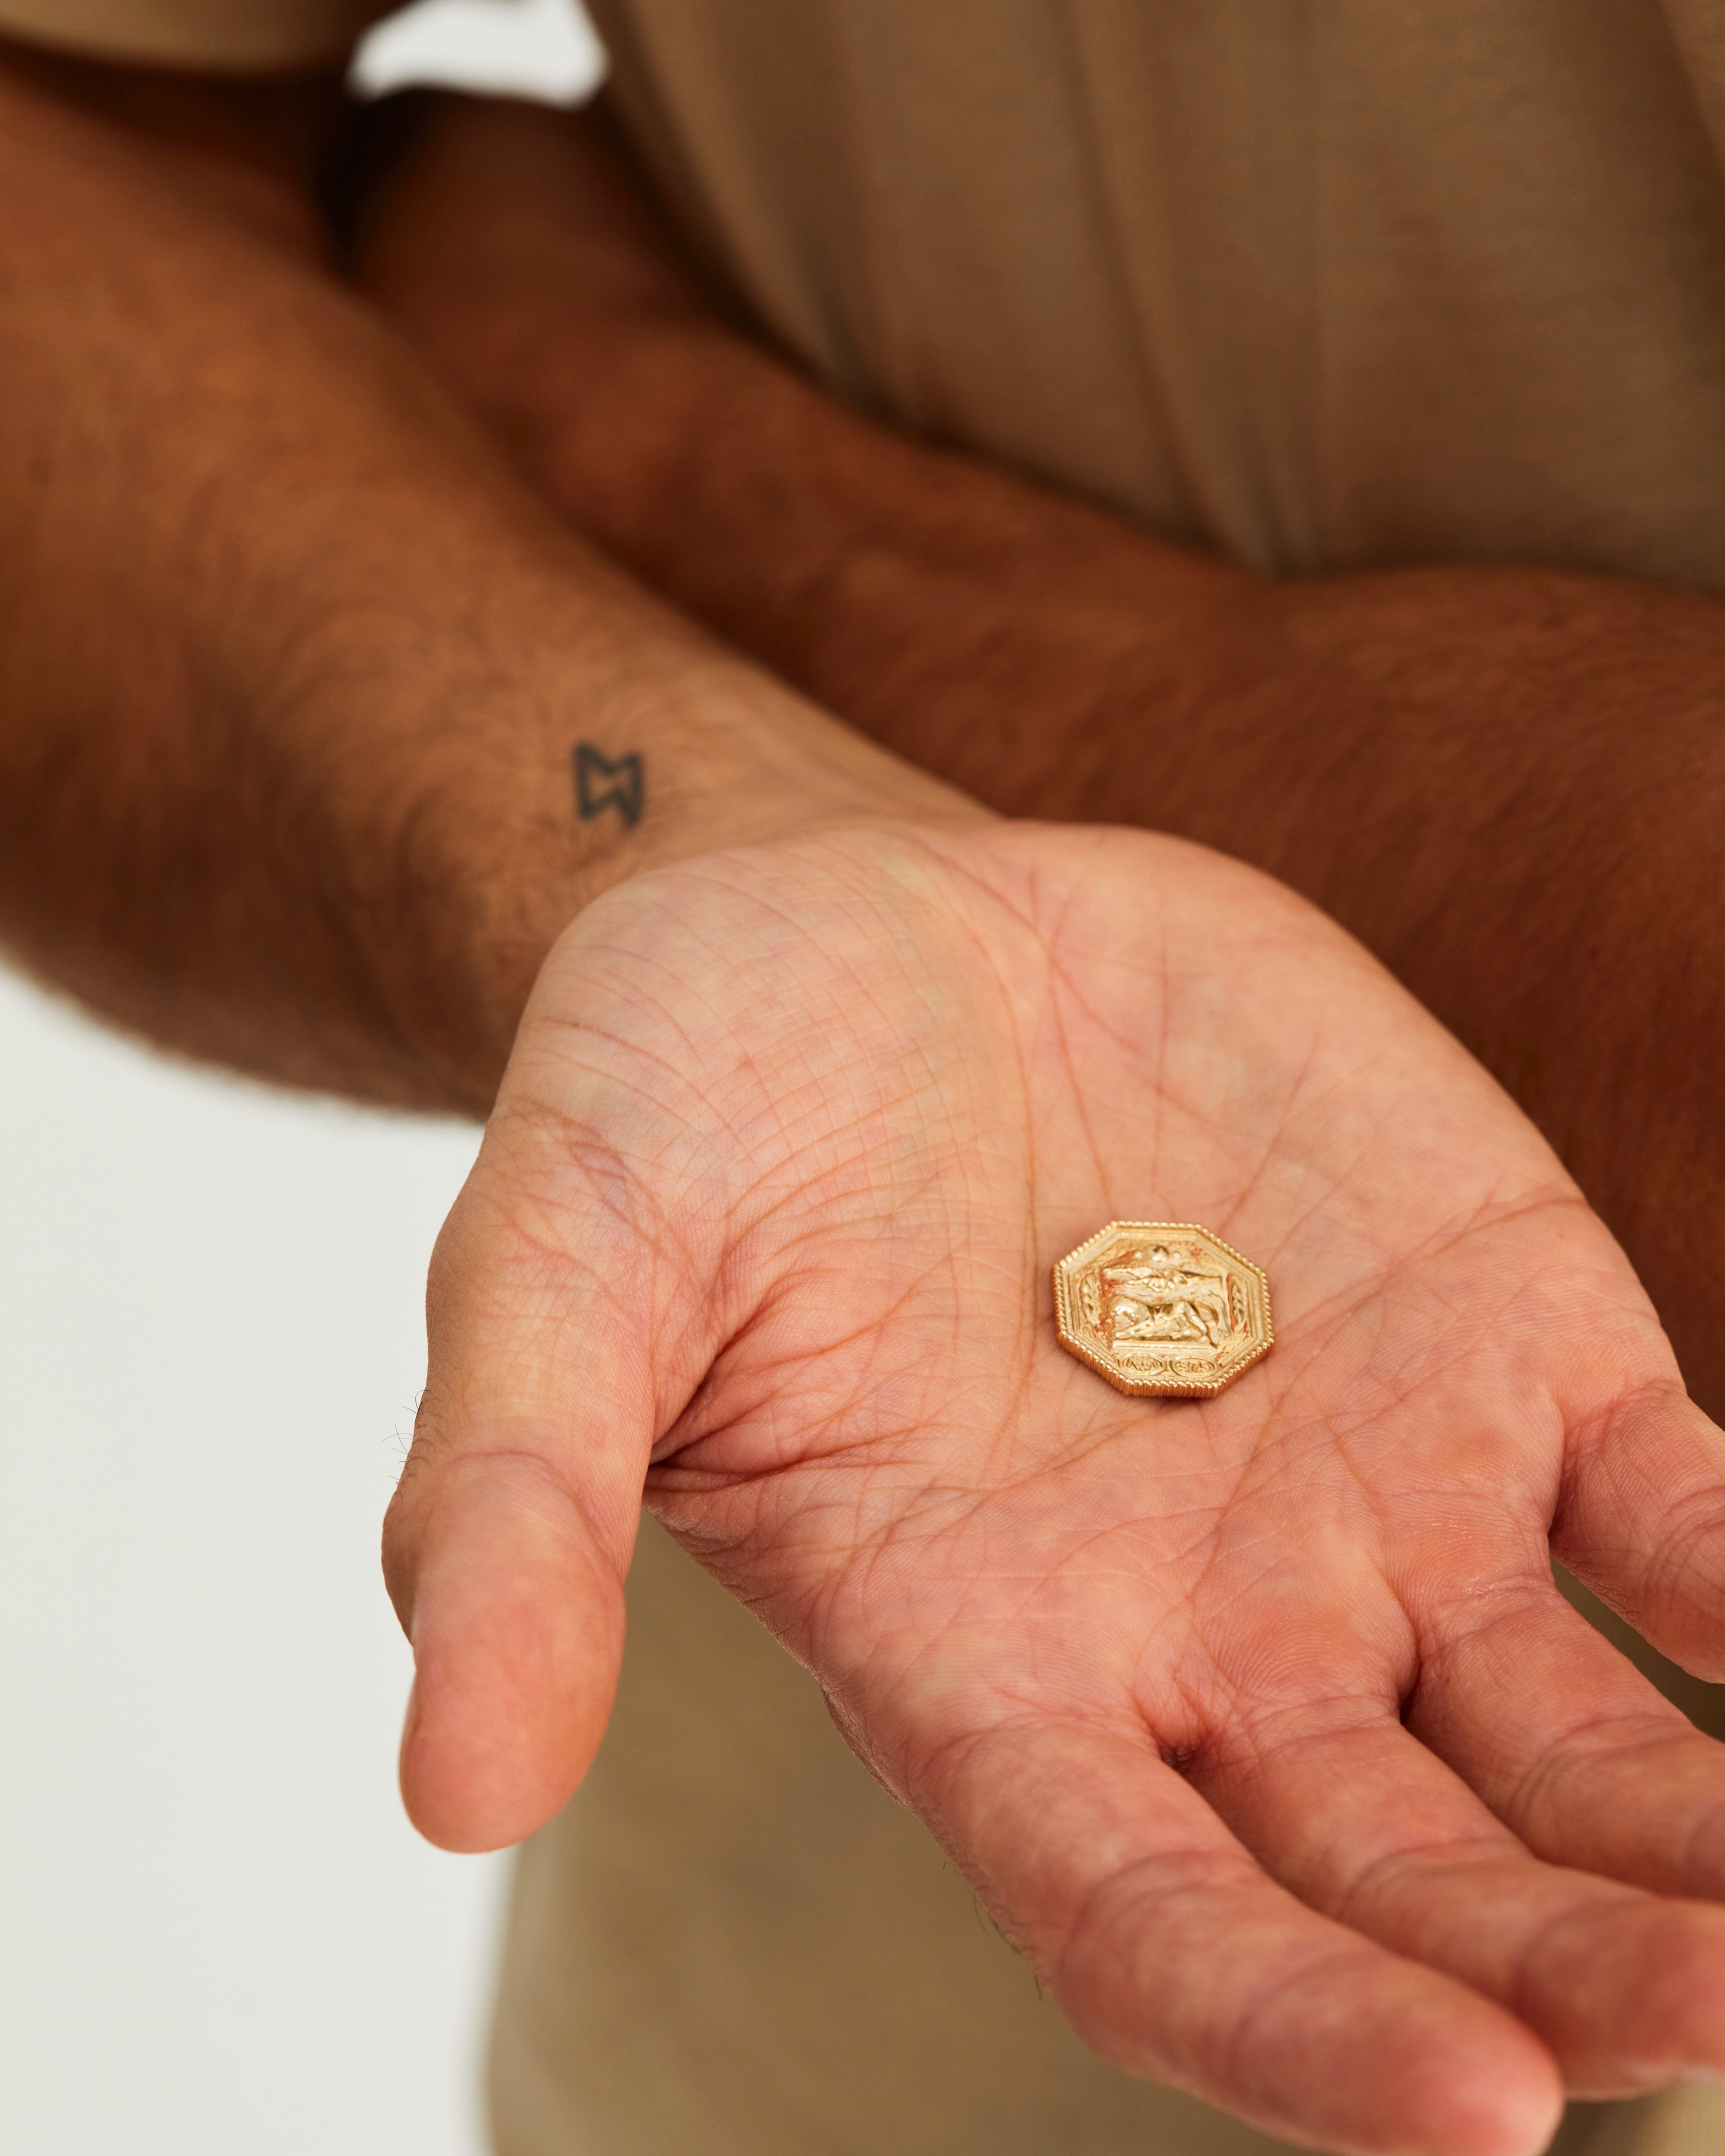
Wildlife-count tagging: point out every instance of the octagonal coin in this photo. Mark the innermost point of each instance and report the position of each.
(1163, 1307)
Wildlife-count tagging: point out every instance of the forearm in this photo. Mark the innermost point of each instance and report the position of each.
(1048, 655)
(293, 667)
(519, 253)
(1054, 656)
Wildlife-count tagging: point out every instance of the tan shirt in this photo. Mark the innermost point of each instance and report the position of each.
(240, 35)
(1322, 281)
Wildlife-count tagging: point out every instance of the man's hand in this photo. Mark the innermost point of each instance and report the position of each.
(1510, 784)
(1258, 1721)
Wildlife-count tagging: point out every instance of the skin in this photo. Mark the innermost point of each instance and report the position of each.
(1313, 1797)
(1508, 782)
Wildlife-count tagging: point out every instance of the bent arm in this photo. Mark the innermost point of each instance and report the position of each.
(294, 668)
(1509, 782)
(293, 672)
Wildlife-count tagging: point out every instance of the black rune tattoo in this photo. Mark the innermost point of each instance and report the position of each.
(601, 785)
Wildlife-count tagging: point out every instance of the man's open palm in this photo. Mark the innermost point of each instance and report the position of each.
(1258, 1721)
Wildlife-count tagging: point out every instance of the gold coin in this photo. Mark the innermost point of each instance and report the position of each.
(1163, 1307)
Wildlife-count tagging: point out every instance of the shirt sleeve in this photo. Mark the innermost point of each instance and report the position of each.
(247, 36)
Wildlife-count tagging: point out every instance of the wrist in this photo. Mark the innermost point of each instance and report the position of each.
(507, 805)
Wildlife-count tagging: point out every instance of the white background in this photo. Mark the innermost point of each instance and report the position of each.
(218, 1936)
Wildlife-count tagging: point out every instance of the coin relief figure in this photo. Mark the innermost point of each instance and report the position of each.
(1162, 1306)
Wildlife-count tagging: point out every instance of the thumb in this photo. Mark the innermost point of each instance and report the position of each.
(508, 1540)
